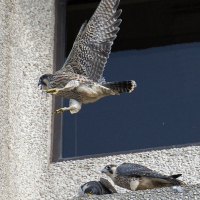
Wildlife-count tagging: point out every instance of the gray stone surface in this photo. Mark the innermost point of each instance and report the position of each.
(26, 52)
(188, 192)
(171, 161)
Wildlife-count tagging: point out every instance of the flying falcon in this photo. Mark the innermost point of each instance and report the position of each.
(96, 188)
(81, 77)
(137, 177)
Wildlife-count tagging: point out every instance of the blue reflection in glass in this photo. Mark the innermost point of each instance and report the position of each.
(162, 111)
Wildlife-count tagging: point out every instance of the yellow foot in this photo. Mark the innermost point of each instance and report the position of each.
(60, 110)
(52, 91)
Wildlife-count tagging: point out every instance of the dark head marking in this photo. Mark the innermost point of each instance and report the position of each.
(109, 168)
(42, 78)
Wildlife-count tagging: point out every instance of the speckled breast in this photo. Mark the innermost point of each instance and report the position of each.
(73, 94)
(122, 181)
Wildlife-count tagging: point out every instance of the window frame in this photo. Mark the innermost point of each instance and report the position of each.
(59, 58)
(57, 102)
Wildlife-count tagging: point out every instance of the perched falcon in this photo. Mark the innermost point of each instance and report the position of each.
(80, 79)
(137, 177)
(96, 188)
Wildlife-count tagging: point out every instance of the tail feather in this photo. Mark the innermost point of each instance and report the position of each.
(123, 86)
(178, 182)
(176, 175)
(167, 182)
(173, 180)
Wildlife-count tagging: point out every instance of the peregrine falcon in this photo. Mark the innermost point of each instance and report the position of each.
(137, 177)
(96, 188)
(81, 77)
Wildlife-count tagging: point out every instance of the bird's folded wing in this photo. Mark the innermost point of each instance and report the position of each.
(130, 169)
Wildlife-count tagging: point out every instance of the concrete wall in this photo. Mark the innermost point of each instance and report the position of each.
(26, 52)
(68, 176)
(26, 45)
(186, 192)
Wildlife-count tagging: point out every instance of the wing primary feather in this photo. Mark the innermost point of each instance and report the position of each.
(82, 27)
(94, 41)
(117, 23)
(115, 31)
(117, 14)
(116, 5)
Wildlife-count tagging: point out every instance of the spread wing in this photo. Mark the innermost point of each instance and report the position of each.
(93, 43)
(138, 170)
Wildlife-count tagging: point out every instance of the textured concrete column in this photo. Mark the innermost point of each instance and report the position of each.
(26, 52)
(26, 40)
(4, 105)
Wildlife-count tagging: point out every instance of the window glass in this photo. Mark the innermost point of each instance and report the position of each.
(158, 47)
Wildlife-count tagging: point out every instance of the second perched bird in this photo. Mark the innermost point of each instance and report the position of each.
(96, 188)
(80, 79)
(137, 177)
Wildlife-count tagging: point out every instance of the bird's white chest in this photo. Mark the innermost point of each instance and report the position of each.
(91, 93)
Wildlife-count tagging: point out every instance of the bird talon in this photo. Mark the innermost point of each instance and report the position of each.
(59, 111)
(52, 91)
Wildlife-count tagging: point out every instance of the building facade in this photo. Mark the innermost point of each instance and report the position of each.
(26, 169)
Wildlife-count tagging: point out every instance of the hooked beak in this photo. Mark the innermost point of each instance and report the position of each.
(39, 83)
(103, 171)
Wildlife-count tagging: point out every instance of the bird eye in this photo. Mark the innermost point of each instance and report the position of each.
(107, 167)
(90, 191)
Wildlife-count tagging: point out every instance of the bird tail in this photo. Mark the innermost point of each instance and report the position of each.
(168, 181)
(172, 180)
(123, 86)
(176, 181)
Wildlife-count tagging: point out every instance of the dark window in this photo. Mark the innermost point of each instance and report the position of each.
(158, 46)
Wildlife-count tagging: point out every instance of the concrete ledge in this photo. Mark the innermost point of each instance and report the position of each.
(188, 192)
